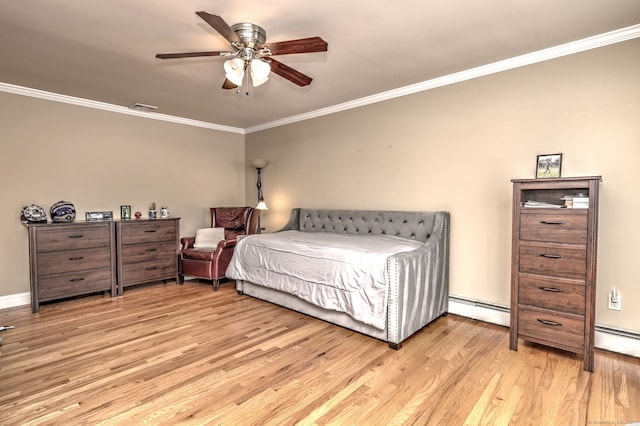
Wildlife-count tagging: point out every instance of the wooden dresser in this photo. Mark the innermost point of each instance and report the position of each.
(553, 265)
(147, 251)
(71, 259)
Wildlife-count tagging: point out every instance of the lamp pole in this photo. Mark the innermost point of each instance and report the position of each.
(259, 185)
(261, 205)
(259, 165)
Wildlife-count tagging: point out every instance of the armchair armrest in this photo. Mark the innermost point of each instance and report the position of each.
(187, 242)
(227, 244)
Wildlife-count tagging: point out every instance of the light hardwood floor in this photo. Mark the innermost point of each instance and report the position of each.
(169, 354)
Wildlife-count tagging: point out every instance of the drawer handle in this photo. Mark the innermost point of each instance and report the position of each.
(151, 250)
(548, 322)
(551, 289)
(151, 268)
(552, 222)
(76, 258)
(75, 280)
(150, 230)
(76, 236)
(551, 256)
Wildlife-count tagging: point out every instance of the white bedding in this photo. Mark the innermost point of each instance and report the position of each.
(341, 272)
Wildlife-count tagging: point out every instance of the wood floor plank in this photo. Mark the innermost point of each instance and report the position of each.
(184, 354)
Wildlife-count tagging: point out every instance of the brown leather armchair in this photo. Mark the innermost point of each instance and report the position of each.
(211, 264)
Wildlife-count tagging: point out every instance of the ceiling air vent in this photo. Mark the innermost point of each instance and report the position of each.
(143, 107)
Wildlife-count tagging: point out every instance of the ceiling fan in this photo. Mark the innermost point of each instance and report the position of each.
(251, 55)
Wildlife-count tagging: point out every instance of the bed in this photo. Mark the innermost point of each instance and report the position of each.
(384, 274)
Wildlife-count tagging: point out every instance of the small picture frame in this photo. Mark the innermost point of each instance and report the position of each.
(549, 166)
(98, 216)
(125, 212)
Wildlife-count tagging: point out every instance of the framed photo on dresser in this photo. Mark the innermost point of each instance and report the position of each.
(549, 166)
(125, 212)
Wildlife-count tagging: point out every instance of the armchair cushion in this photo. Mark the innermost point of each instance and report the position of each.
(208, 238)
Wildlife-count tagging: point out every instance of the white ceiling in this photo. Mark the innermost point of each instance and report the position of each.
(105, 50)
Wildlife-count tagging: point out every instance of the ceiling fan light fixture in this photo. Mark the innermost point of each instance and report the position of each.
(234, 71)
(259, 72)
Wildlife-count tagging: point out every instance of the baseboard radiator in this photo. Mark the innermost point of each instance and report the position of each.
(607, 338)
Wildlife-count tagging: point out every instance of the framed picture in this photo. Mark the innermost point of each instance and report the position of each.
(98, 216)
(125, 212)
(549, 166)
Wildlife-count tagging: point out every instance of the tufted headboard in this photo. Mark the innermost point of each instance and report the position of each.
(413, 225)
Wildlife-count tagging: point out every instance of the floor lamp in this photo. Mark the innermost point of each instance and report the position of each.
(259, 164)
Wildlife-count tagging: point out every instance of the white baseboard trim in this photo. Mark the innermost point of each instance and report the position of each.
(13, 300)
(607, 338)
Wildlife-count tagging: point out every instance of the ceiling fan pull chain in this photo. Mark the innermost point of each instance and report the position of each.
(246, 76)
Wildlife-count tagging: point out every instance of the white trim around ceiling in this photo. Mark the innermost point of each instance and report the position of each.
(589, 43)
(56, 97)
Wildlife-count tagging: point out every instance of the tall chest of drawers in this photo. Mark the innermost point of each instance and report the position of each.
(553, 265)
(71, 259)
(147, 251)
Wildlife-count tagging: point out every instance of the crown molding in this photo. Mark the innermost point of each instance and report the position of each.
(589, 43)
(56, 97)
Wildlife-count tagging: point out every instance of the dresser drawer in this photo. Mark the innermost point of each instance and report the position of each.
(559, 294)
(146, 252)
(564, 331)
(136, 273)
(568, 226)
(557, 260)
(73, 260)
(149, 231)
(73, 237)
(60, 286)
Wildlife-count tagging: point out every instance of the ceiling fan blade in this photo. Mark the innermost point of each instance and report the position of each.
(289, 73)
(228, 85)
(218, 24)
(188, 54)
(303, 45)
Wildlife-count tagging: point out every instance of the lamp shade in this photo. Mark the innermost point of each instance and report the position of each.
(259, 163)
(259, 72)
(234, 69)
(262, 205)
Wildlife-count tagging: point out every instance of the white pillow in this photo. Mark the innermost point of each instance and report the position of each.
(208, 237)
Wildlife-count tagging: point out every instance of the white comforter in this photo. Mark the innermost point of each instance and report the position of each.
(341, 272)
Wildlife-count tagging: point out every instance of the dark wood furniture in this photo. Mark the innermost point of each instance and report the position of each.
(553, 266)
(147, 251)
(71, 259)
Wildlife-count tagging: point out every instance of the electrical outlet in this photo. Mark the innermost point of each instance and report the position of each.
(614, 300)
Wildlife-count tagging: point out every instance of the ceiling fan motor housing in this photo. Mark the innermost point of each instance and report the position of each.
(251, 35)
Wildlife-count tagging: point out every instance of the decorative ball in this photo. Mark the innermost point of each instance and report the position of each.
(138, 215)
